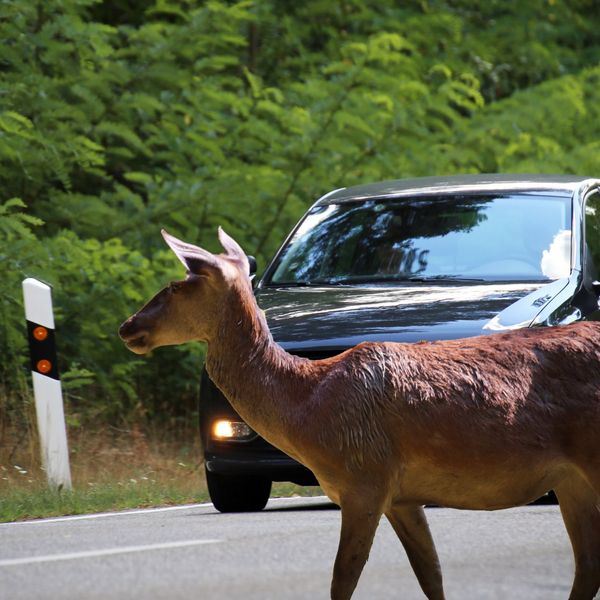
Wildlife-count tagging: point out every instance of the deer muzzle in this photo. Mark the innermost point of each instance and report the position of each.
(135, 337)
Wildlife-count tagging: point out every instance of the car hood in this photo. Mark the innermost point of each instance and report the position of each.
(338, 317)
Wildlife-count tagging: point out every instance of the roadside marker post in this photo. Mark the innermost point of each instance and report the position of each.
(46, 383)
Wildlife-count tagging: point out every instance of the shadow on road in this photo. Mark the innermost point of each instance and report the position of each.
(548, 499)
(325, 505)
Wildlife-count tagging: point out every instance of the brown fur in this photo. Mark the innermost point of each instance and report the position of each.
(481, 423)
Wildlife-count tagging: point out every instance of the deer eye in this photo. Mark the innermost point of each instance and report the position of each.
(175, 286)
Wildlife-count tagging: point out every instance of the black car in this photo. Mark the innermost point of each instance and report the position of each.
(405, 261)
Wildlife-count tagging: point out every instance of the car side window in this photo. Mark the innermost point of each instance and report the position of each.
(592, 237)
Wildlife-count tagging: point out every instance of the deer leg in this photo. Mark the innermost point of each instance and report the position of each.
(410, 524)
(580, 508)
(359, 523)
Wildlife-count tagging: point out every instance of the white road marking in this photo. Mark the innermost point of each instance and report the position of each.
(145, 511)
(11, 562)
(140, 511)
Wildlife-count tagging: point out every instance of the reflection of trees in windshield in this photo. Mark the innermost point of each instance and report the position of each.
(374, 238)
(477, 237)
(393, 240)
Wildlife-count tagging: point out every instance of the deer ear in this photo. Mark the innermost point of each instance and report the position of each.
(233, 249)
(193, 258)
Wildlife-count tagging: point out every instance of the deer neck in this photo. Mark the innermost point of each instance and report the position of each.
(263, 383)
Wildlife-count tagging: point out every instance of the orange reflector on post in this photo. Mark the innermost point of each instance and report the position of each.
(44, 366)
(40, 333)
(42, 349)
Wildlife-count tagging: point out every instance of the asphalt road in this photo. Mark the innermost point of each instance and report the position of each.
(285, 552)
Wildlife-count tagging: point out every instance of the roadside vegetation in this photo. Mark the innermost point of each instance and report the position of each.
(111, 469)
(119, 118)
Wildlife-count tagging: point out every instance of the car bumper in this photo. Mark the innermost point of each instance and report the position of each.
(260, 462)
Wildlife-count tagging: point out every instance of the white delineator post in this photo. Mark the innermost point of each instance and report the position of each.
(46, 383)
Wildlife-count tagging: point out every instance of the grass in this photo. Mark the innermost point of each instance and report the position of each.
(21, 503)
(111, 470)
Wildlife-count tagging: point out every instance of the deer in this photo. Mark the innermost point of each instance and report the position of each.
(487, 422)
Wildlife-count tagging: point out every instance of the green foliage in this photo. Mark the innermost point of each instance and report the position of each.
(117, 119)
(19, 247)
(553, 127)
(37, 501)
(96, 286)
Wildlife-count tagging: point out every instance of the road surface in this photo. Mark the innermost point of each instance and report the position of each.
(283, 553)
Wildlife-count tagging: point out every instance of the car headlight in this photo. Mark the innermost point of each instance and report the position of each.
(225, 430)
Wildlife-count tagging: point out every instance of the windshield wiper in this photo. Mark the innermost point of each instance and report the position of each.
(305, 283)
(390, 279)
(456, 278)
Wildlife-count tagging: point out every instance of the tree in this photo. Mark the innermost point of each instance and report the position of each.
(117, 120)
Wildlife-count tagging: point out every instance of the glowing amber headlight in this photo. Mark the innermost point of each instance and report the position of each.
(231, 430)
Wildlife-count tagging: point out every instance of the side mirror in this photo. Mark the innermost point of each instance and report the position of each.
(253, 266)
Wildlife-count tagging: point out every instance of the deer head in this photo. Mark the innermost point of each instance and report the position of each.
(188, 310)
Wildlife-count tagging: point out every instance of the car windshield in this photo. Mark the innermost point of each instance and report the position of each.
(510, 237)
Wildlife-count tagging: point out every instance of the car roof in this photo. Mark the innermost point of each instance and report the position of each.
(563, 184)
